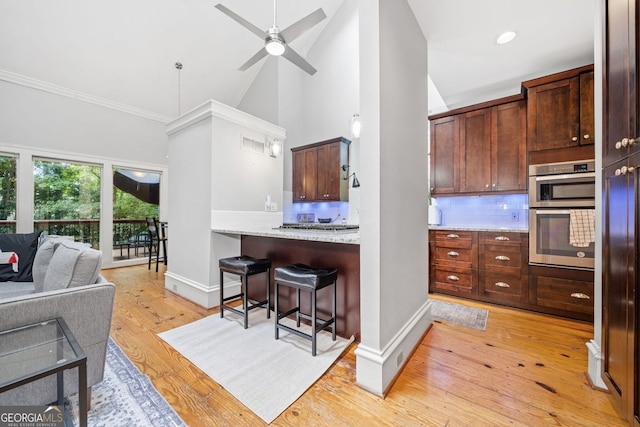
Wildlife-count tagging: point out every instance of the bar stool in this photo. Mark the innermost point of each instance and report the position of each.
(303, 277)
(244, 266)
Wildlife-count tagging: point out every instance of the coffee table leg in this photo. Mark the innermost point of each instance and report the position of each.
(60, 388)
(82, 386)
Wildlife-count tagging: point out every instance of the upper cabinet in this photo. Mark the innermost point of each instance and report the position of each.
(480, 149)
(317, 171)
(560, 110)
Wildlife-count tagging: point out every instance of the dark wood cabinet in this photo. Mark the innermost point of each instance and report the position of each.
(493, 266)
(445, 145)
(480, 149)
(621, 198)
(560, 110)
(509, 147)
(317, 171)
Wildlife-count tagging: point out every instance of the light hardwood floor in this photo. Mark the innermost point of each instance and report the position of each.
(525, 369)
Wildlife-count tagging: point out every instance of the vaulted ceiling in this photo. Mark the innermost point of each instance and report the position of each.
(126, 50)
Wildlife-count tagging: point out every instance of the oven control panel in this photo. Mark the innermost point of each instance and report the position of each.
(562, 168)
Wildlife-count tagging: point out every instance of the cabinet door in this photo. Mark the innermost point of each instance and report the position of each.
(444, 155)
(621, 102)
(299, 194)
(553, 116)
(475, 151)
(587, 118)
(305, 173)
(619, 282)
(509, 146)
(329, 178)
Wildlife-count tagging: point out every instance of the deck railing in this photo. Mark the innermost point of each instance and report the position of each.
(132, 231)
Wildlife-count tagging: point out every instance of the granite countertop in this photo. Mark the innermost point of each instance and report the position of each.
(478, 228)
(351, 238)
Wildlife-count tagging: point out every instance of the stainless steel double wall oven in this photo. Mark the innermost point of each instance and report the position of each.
(562, 214)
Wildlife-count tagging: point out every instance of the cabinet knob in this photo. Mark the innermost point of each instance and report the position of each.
(486, 186)
(453, 254)
(502, 285)
(574, 139)
(503, 258)
(624, 170)
(453, 278)
(502, 238)
(452, 236)
(586, 136)
(494, 185)
(580, 295)
(627, 142)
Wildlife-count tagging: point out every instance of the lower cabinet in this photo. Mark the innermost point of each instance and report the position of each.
(494, 267)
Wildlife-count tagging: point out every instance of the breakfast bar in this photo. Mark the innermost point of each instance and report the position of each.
(316, 248)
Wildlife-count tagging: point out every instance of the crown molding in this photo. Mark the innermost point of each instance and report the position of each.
(212, 108)
(32, 83)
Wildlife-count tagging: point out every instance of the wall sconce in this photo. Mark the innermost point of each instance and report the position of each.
(275, 148)
(355, 126)
(356, 183)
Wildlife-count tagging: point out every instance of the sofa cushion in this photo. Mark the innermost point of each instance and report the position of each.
(72, 264)
(25, 245)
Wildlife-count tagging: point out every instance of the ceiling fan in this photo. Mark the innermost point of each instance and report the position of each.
(276, 41)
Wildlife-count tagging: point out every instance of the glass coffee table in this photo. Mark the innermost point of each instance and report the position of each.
(29, 353)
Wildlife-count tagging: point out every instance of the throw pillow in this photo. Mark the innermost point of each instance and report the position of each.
(25, 245)
(72, 264)
(41, 263)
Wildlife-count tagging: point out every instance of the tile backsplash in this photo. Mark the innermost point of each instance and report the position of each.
(505, 210)
(338, 211)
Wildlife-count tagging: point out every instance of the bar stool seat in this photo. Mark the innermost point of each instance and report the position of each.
(310, 279)
(244, 266)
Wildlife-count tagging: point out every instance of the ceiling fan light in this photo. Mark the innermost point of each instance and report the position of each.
(275, 47)
(506, 37)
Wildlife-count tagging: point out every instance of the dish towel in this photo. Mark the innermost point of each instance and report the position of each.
(582, 227)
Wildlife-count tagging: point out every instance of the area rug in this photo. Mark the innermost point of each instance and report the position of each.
(459, 314)
(265, 374)
(125, 397)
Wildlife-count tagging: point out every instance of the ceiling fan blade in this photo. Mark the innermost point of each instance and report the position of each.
(294, 30)
(255, 58)
(298, 60)
(240, 20)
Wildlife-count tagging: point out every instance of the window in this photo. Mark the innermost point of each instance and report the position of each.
(7, 194)
(67, 199)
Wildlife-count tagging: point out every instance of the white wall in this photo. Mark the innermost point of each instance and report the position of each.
(36, 118)
(393, 221)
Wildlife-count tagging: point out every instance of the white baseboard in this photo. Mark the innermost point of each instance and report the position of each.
(595, 365)
(207, 297)
(376, 369)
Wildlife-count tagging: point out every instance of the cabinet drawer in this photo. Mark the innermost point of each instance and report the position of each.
(563, 294)
(461, 257)
(504, 286)
(502, 258)
(501, 238)
(448, 235)
(462, 280)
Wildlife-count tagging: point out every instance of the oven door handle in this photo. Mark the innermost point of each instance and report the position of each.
(547, 211)
(567, 177)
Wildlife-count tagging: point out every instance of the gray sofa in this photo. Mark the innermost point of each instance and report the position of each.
(66, 283)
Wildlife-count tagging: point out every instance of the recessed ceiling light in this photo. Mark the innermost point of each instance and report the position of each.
(506, 37)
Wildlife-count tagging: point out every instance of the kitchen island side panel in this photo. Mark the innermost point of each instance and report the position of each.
(344, 257)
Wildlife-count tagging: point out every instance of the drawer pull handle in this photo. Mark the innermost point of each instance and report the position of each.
(580, 295)
(502, 238)
(452, 236)
(502, 285)
(453, 253)
(453, 278)
(503, 258)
